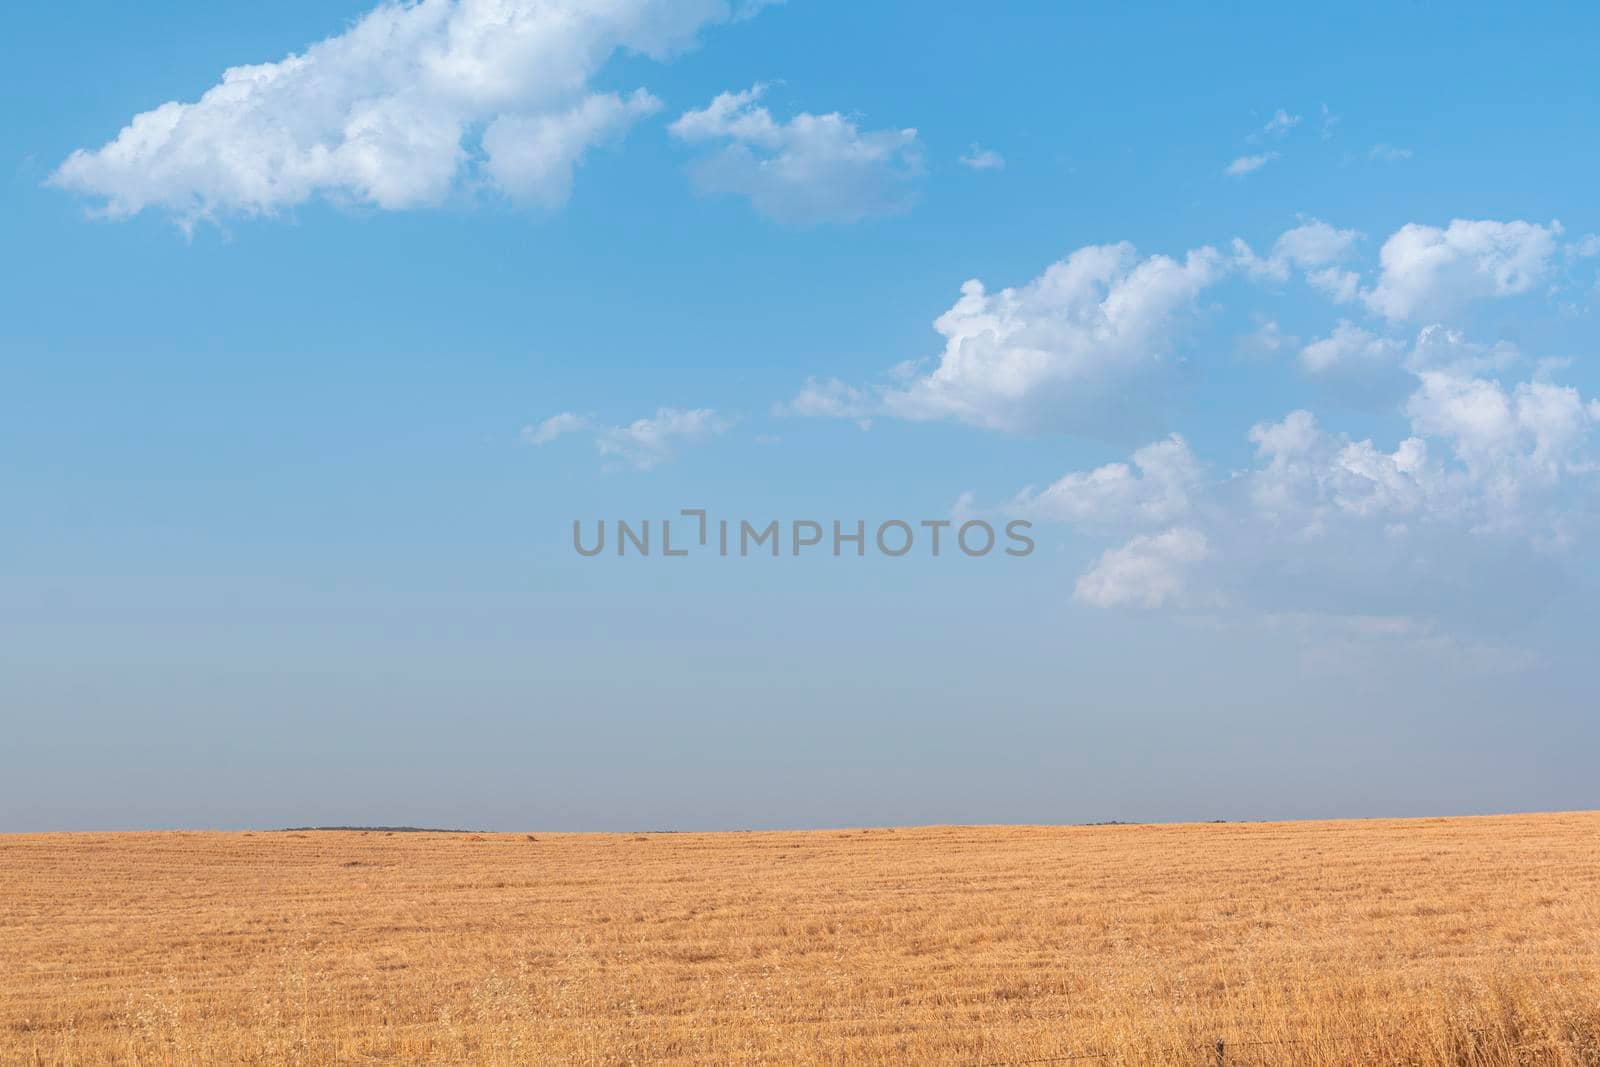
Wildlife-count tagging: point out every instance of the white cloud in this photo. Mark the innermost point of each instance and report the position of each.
(532, 157)
(1439, 348)
(1315, 248)
(1281, 123)
(1510, 442)
(1340, 286)
(1388, 153)
(1330, 122)
(1148, 571)
(1425, 271)
(1056, 353)
(1088, 323)
(1309, 477)
(1411, 548)
(642, 444)
(1075, 349)
(810, 169)
(1481, 457)
(751, 8)
(1157, 487)
(1350, 347)
(1266, 340)
(1245, 164)
(832, 399)
(979, 158)
(1314, 243)
(385, 113)
(553, 427)
(1428, 271)
(1295, 434)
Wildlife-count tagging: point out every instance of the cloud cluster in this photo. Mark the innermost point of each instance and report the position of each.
(1078, 348)
(1276, 128)
(1480, 454)
(395, 110)
(1315, 249)
(1512, 464)
(1495, 466)
(1306, 476)
(808, 169)
(642, 444)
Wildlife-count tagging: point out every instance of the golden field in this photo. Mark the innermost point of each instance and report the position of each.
(1429, 942)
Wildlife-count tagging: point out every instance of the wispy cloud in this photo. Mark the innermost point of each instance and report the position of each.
(642, 444)
(1330, 123)
(1247, 164)
(1280, 123)
(808, 169)
(553, 427)
(1388, 153)
(979, 158)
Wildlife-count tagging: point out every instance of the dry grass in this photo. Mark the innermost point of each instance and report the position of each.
(1428, 942)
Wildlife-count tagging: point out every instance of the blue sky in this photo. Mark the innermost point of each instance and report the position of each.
(1278, 326)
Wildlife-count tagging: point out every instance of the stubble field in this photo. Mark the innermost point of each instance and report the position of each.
(1428, 942)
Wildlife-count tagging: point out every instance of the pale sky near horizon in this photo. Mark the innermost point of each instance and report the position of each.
(321, 323)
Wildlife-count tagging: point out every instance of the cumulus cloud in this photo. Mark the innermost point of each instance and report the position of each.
(1307, 475)
(1056, 353)
(1156, 487)
(1481, 455)
(1427, 272)
(1348, 348)
(1246, 164)
(642, 444)
(1510, 442)
(1148, 571)
(387, 113)
(1314, 243)
(979, 158)
(1487, 474)
(1315, 248)
(809, 169)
